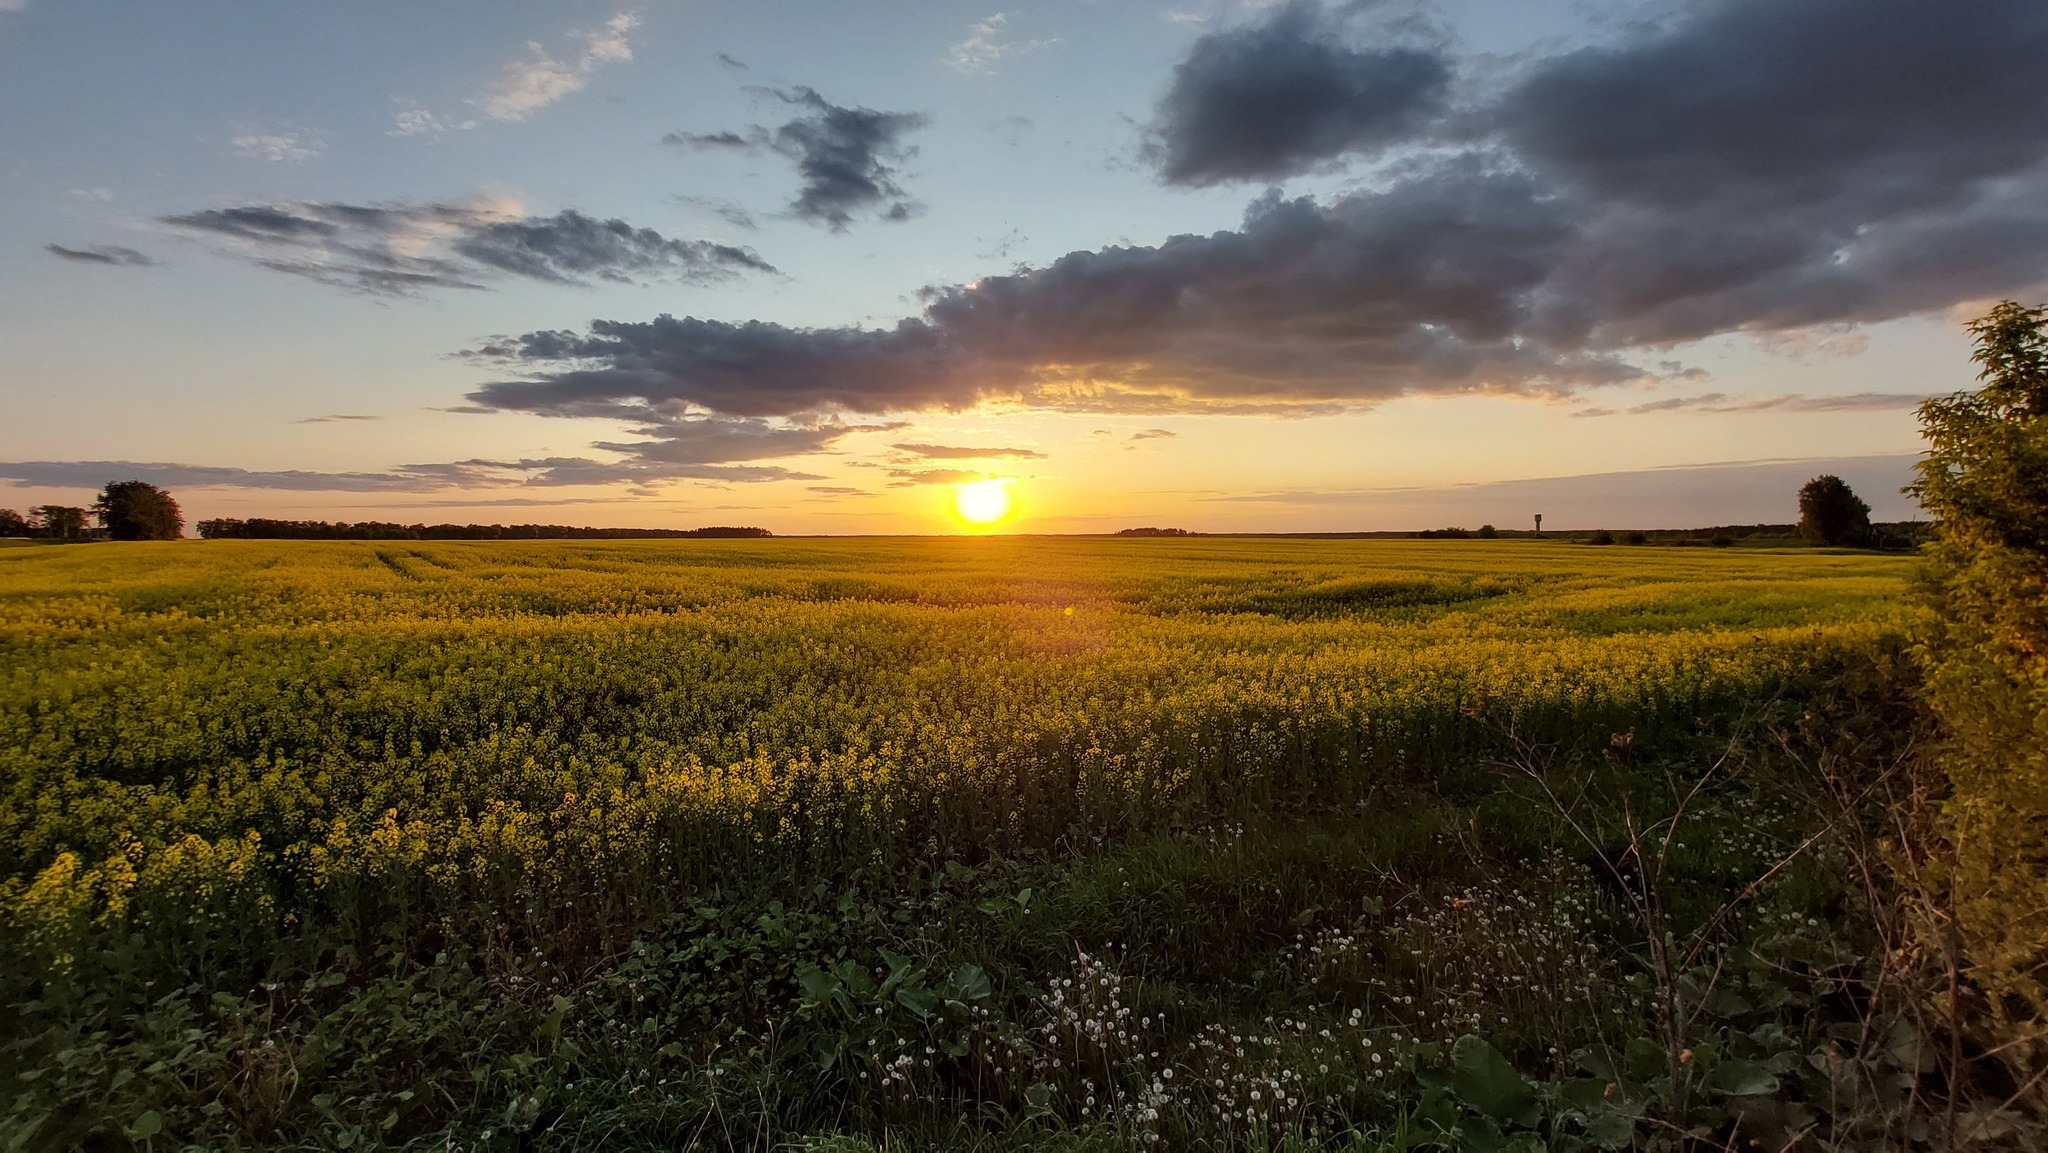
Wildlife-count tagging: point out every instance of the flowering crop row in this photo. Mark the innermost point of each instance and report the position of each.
(220, 747)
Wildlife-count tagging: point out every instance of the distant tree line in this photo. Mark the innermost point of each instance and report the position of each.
(125, 510)
(1831, 515)
(1153, 532)
(262, 528)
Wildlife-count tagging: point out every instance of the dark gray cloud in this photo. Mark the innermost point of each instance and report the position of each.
(398, 249)
(1423, 287)
(693, 440)
(951, 452)
(112, 254)
(1287, 94)
(1599, 209)
(847, 158)
(1154, 434)
(1768, 164)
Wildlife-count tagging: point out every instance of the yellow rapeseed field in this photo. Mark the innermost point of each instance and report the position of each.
(214, 742)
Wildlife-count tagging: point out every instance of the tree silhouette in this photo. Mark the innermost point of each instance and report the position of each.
(1831, 514)
(138, 510)
(62, 521)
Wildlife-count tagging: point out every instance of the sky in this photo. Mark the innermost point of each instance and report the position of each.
(1226, 266)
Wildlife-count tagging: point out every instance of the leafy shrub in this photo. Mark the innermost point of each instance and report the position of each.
(1985, 481)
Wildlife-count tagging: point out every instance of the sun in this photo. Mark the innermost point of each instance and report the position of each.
(983, 502)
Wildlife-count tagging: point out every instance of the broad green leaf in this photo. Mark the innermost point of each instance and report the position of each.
(1484, 1080)
(968, 983)
(1742, 1079)
(818, 985)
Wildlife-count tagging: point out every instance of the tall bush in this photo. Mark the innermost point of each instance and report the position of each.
(1985, 482)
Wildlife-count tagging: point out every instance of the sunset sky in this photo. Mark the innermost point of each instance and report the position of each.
(1223, 265)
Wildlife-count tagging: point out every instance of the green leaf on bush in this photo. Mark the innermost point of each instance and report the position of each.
(146, 1126)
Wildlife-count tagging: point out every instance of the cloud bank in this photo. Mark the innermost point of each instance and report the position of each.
(1754, 166)
(399, 249)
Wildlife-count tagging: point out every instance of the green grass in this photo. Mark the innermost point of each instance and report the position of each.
(595, 843)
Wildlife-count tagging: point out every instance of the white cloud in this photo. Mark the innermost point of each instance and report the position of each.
(534, 81)
(12, 5)
(413, 119)
(279, 145)
(985, 45)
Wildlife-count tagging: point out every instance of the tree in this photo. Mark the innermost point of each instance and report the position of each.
(137, 510)
(13, 523)
(62, 521)
(1831, 514)
(1984, 481)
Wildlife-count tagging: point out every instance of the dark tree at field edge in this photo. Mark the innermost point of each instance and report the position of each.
(138, 510)
(1831, 514)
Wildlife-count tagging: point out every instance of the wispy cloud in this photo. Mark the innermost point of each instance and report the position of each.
(535, 80)
(529, 82)
(481, 474)
(1154, 434)
(950, 452)
(908, 477)
(413, 119)
(1719, 402)
(334, 417)
(279, 145)
(112, 254)
(401, 249)
(984, 46)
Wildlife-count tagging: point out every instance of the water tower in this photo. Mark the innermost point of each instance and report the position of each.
(1539, 524)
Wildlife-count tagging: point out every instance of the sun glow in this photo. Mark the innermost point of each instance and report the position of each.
(983, 502)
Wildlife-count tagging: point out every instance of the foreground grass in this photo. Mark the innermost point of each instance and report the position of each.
(945, 843)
